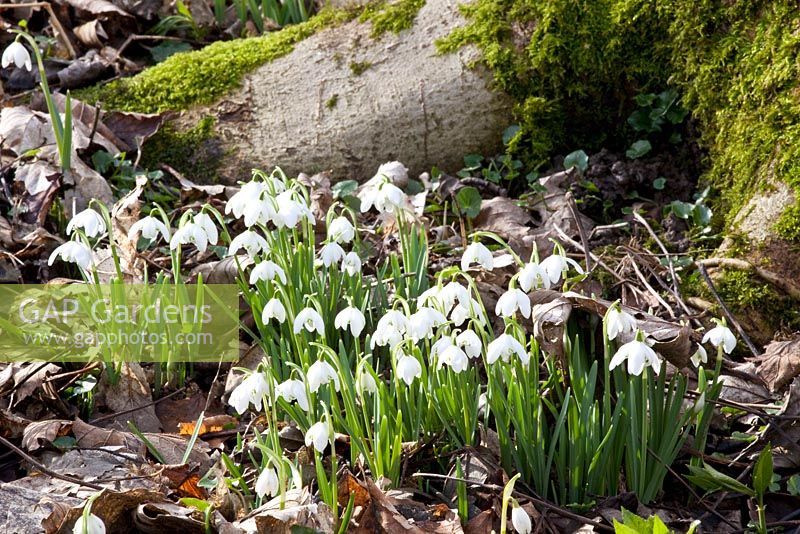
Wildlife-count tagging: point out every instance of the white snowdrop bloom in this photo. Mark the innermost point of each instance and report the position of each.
(477, 253)
(351, 264)
(267, 482)
(464, 311)
(511, 301)
(455, 358)
(207, 224)
(290, 210)
(73, 252)
(504, 347)
(318, 435)
(17, 54)
(341, 230)
(454, 293)
(721, 335)
(532, 276)
(92, 223)
(556, 264)
(331, 253)
(259, 211)
(273, 309)
(440, 346)
(520, 519)
(639, 355)
(249, 194)
(309, 319)
(250, 391)
(470, 342)
(90, 524)
(432, 297)
(352, 318)
(619, 322)
(293, 390)
(251, 242)
(366, 382)
(390, 329)
(320, 373)
(394, 171)
(149, 228)
(390, 199)
(700, 356)
(408, 368)
(422, 323)
(190, 233)
(265, 271)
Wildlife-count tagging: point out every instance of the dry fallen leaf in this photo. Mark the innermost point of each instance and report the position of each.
(131, 391)
(780, 363)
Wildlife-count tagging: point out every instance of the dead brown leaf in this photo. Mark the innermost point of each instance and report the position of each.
(40, 433)
(131, 391)
(114, 508)
(90, 436)
(504, 217)
(780, 363)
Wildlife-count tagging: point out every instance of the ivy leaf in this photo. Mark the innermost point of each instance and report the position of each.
(344, 188)
(577, 159)
(469, 201)
(639, 149)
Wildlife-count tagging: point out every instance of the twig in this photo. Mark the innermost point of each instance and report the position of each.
(781, 283)
(573, 209)
(38, 465)
(726, 311)
(132, 38)
(651, 289)
(53, 20)
(596, 259)
(131, 410)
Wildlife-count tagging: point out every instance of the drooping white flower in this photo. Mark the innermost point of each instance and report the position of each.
(352, 318)
(394, 171)
(351, 264)
(454, 293)
(470, 342)
(639, 355)
(619, 322)
(250, 391)
(318, 435)
(259, 211)
(700, 356)
(477, 253)
(341, 230)
(366, 382)
(455, 358)
(265, 271)
(293, 390)
(17, 54)
(422, 323)
(512, 300)
(92, 223)
(252, 243)
(504, 347)
(556, 264)
(321, 372)
(520, 519)
(73, 252)
(309, 319)
(533, 276)
(408, 368)
(249, 194)
(721, 335)
(466, 310)
(273, 309)
(390, 329)
(331, 253)
(440, 346)
(384, 195)
(149, 227)
(207, 224)
(267, 482)
(290, 210)
(91, 524)
(190, 233)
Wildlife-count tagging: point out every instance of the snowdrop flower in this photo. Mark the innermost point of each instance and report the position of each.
(556, 264)
(248, 195)
(192, 233)
(455, 358)
(390, 329)
(721, 335)
(422, 323)
(17, 54)
(250, 391)
(341, 230)
(273, 309)
(290, 210)
(149, 228)
(252, 243)
(520, 519)
(352, 318)
(511, 301)
(318, 435)
(470, 309)
(267, 482)
(351, 264)
(394, 171)
(504, 347)
(700, 356)
(259, 211)
(366, 382)
(408, 368)
(293, 390)
(639, 355)
(533, 276)
(470, 342)
(73, 252)
(321, 372)
(266, 271)
(90, 524)
(309, 319)
(618, 322)
(477, 253)
(440, 346)
(205, 222)
(331, 253)
(385, 196)
(92, 223)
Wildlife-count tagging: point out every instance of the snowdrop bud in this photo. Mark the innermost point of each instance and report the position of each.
(639, 355)
(618, 322)
(17, 54)
(700, 404)
(511, 301)
(309, 319)
(556, 265)
(318, 435)
(520, 519)
(477, 253)
(149, 228)
(273, 310)
(265, 271)
(366, 382)
(331, 253)
(350, 317)
(90, 524)
(351, 264)
(408, 368)
(721, 335)
(320, 373)
(73, 252)
(504, 347)
(341, 230)
(267, 483)
(92, 223)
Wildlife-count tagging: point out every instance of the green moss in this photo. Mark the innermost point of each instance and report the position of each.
(788, 226)
(358, 67)
(392, 17)
(332, 101)
(194, 152)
